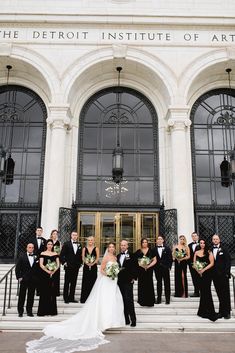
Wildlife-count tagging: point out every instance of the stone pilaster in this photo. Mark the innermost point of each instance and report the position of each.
(182, 192)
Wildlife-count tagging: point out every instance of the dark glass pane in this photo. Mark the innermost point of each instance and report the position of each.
(20, 162)
(109, 138)
(35, 137)
(127, 137)
(203, 193)
(18, 139)
(146, 191)
(144, 115)
(90, 164)
(202, 166)
(31, 191)
(146, 165)
(146, 138)
(33, 163)
(90, 137)
(201, 139)
(218, 142)
(12, 192)
(89, 191)
(129, 100)
(106, 164)
(130, 167)
(222, 194)
(93, 114)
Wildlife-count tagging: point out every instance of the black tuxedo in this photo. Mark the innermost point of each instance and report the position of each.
(38, 250)
(162, 272)
(194, 274)
(128, 272)
(28, 276)
(72, 262)
(220, 277)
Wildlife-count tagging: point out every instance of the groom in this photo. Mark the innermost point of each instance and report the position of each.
(126, 277)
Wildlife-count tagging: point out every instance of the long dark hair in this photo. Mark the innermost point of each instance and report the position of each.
(142, 240)
(206, 249)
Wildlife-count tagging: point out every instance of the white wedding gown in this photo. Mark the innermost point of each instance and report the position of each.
(83, 331)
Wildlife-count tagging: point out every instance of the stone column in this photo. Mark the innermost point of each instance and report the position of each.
(181, 182)
(54, 176)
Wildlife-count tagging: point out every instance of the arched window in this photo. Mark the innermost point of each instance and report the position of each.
(98, 137)
(213, 138)
(22, 136)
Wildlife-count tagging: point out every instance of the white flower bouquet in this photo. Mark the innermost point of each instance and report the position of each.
(89, 260)
(51, 265)
(57, 249)
(112, 270)
(179, 254)
(144, 261)
(198, 265)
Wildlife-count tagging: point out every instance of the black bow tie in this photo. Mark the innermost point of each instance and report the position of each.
(39, 238)
(160, 246)
(123, 253)
(195, 242)
(215, 247)
(31, 254)
(75, 242)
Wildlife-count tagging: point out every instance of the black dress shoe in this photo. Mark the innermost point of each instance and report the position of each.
(30, 314)
(73, 301)
(213, 318)
(167, 302)
(158, 301)
(127, 322)
(133, 324)
(227, 317)
(194, 295)
(20, 315)
(66, 302)
(220, 316)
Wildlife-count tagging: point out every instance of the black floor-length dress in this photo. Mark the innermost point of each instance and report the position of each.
(206, 306)
(181, 282)
(89, 277)
(47, 299)
(146, 296)
(57, 274)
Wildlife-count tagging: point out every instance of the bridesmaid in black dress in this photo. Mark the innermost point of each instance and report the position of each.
(49, 264)
(181, 254)
(146, 296)
(90, 257)
(203, 263)
(57, 249)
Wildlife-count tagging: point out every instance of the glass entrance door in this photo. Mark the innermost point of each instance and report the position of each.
(115, 226)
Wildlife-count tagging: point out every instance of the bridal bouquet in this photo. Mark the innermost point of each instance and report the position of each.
(112, 270)
(51, 265)
(89, 260)
(144, 261)
(198, 265)
(57, 249)
(179, 254)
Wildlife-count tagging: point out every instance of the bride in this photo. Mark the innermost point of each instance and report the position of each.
(102, 310)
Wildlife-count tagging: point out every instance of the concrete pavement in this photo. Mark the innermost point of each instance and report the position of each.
(14, 342)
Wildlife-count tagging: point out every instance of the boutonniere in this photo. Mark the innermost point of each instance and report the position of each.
(127, 256)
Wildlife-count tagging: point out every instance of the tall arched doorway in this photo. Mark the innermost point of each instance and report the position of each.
(213, 138)
(108, 210)
(22, 138)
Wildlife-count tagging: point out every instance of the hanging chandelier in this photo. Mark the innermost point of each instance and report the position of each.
(8, 115)
(227, 120)
(118, 155)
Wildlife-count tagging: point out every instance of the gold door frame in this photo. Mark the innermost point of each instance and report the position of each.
(138, 225)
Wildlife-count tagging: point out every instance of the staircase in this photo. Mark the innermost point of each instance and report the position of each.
(179, 316)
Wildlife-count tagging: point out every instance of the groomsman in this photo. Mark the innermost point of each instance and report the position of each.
(26, 275)
(194, 246)
(221, 275)
(71, 258)
(126, 277)
(162, 269)
(38, 241)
